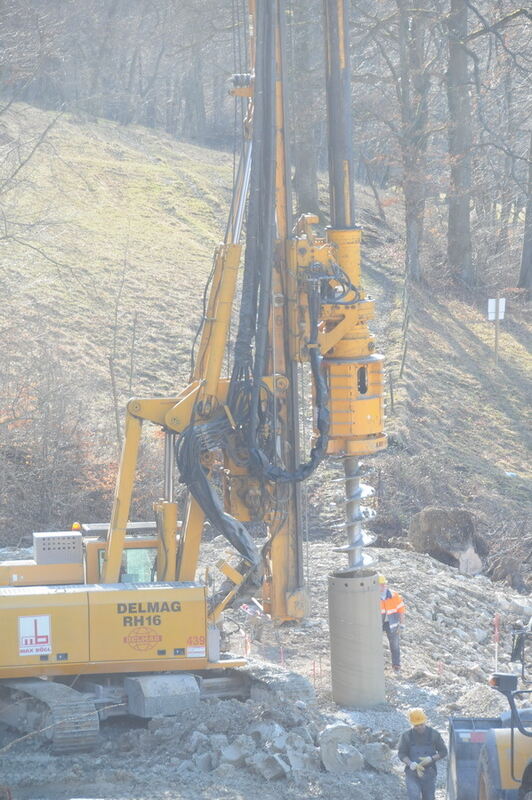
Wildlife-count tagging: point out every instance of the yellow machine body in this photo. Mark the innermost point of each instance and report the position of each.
(522, 757)
(491, 757)
(28, 573)
(356, 372)
(51, 630)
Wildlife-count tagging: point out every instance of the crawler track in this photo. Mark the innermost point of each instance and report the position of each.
(51, 710)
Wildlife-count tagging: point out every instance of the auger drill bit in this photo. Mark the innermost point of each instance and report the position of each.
(355, 514)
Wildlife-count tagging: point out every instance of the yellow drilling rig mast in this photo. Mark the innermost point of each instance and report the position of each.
(85, 605)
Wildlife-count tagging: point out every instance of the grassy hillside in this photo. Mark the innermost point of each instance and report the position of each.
(111, 221)
(109, 238)
(462, 434)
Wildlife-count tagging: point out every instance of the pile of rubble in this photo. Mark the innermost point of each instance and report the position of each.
(274, 742)
(267, 743)
(285, 745)
(290, 747)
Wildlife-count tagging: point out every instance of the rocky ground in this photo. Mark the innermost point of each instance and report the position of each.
(224, 749)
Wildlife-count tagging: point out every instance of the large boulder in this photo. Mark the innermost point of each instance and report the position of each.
(448, 534)
(337, 749)
(377, 755)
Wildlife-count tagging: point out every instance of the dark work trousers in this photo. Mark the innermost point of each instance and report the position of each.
(421, 788)
(394, 640)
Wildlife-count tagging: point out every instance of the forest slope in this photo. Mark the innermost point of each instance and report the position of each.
(107, 244)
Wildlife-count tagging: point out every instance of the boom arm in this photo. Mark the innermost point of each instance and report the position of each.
(301, 302)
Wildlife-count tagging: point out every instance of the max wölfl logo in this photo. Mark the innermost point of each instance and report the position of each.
(34, 635)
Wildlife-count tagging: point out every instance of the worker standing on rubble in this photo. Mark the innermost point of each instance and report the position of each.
(393, 614)
(420, 748)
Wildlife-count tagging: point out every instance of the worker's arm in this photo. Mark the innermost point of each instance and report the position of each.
(441, 749)
(403, 750)
(401, 607)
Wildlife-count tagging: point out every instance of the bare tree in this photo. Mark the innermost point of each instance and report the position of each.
(307, 106)
(459, 249)
(525, 275)
(49, 475)
(414, 84)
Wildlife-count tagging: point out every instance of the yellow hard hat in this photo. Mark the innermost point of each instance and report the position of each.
(416, 716)
(382, 579)
(76, 526)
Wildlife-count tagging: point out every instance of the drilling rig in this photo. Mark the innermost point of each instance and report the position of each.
(83, 606)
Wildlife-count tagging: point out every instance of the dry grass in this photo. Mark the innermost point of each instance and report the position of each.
(124, 221)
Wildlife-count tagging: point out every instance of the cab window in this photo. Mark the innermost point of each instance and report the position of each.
(138, 565)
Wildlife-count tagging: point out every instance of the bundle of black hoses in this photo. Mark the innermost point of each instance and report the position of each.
(195, 440)
(251, 403)
(259, 462)
(247, 390)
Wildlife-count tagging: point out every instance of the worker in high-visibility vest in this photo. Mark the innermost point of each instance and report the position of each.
(393, 614)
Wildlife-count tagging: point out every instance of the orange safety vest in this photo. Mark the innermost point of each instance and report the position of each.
(392, 608)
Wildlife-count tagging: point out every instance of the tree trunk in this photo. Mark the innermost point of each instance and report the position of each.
(305, 152)
(194, 115)
(459, 229)
(525, 275)
(97, 97)
(414, 88)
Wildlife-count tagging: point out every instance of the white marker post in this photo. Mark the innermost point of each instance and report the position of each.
(496, 312)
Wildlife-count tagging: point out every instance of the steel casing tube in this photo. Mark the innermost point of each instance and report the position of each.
(357, 660)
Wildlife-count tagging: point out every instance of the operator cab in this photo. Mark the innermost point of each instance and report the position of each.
(77, 556)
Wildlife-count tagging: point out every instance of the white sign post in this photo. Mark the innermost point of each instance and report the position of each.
(496, 313)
